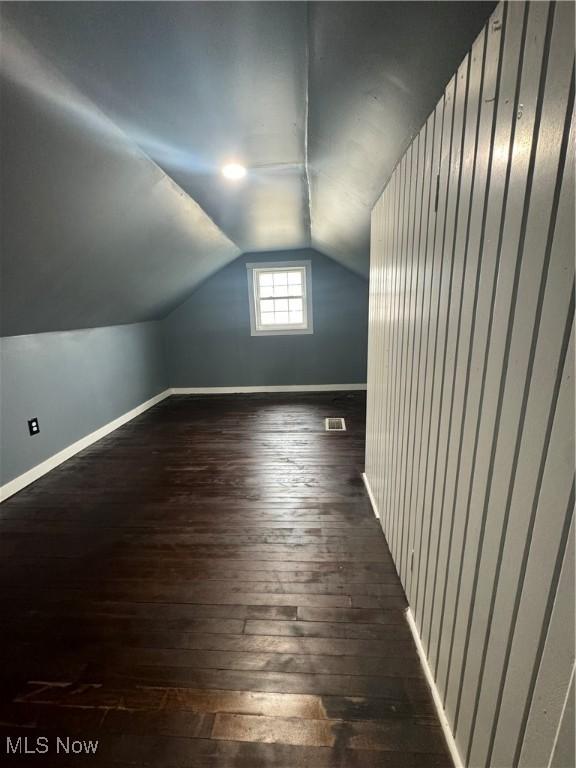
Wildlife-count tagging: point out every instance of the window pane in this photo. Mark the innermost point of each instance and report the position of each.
(278, 297)
(295, 278)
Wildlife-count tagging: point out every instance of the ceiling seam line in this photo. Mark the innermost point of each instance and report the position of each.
(308, 210)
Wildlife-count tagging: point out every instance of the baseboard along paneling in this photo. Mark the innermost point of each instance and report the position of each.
(370, 496)
(448, 735)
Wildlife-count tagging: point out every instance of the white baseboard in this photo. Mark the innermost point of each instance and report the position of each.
(271, 388)
(435, 693)
(20, 482)
(423, 660)
(370, 496)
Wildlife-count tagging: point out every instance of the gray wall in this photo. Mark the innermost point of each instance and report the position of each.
(470, 451)
(208, 343)
(74, 382)
(78, 381)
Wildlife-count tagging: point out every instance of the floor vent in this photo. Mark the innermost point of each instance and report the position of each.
(335, 425)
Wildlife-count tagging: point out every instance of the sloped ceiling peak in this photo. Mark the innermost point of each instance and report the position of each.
(196, 85)
(319, 100)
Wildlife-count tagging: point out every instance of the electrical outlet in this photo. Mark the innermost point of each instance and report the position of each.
(33, 426)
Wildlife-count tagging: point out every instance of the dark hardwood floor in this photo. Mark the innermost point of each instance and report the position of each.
(208, 586)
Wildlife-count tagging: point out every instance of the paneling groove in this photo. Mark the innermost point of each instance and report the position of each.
(470, 442)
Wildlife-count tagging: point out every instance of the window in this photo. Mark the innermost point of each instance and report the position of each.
(280, 298)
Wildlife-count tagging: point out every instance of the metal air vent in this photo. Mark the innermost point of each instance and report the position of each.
(335, 425)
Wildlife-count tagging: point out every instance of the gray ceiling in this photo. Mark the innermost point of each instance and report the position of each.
(117, 116)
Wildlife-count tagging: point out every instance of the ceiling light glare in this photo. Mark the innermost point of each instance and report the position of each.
(234, 171)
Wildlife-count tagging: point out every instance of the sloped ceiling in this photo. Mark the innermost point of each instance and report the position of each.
(117, 117)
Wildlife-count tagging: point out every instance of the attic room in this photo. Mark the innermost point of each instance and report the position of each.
(287, 384)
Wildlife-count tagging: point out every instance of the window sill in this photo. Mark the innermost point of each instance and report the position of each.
(285, 332)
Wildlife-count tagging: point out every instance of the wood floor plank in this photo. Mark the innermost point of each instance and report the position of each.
(276, 682)
(398, 736)
(38, 699)
(401, 665)
(208, 587)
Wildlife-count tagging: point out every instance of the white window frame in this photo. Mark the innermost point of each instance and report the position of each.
(256, 327)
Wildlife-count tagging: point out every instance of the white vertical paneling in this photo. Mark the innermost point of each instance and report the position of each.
(440, 271)
(390, 267)
(425, 379)
(497, 187)
(451, 276)
(413, 314)
(406, 337)
(398, 357)
(470, 447)
(453, 527)
(548, 537)
(484, 240)
(427, 140)
(375, 306)
(546, 313)
(555, 672)
(542, 492)
(451, 651)
(550, 113)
